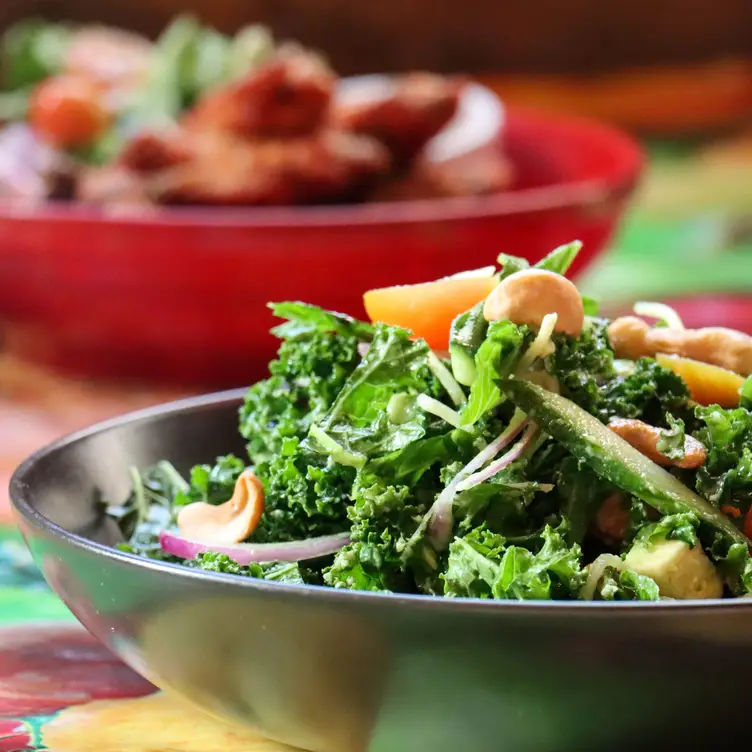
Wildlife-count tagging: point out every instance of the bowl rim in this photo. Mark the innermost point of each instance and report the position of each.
(618, 180)
(21, 501)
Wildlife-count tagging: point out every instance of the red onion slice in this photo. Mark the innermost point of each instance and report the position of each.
(439, 517)
(248, 553)
(506, 459)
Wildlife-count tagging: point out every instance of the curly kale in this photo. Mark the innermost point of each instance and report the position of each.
(483, 565)
(290, 572)
(648, 393)
(212, 484)
(305, 495)
(626, 585)
(587, 372)
(363, 420)
(682, 527)
(382, 516)
(305, 379)
(582, 365)
(726, 477)
(317, 356)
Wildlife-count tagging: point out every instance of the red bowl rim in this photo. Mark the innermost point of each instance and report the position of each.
(618, 180)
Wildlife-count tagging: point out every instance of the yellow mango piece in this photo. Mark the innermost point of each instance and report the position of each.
(708, 384)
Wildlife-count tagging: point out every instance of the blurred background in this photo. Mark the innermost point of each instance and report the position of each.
(677, 74)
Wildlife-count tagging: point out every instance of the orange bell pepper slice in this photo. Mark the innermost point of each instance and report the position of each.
(428, 309)
(708, 384)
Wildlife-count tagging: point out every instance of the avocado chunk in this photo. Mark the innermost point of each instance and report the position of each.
(679, 571)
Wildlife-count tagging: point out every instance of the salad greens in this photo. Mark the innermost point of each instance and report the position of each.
(492, 473)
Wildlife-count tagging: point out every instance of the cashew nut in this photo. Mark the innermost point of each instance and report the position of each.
(633, 338)
(644, 438)
(228, 523)
(527, 296)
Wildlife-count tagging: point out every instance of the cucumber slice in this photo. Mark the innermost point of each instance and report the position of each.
(611, 457)
(463, 365)
(465, 337)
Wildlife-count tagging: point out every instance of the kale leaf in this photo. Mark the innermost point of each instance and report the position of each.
(290, 572)
(305, 495)
(482, 565)
(649, 392)
(672, 439)
(682, 527)
(359, 420)
(305, 380)
(149, 508)
(304, 320)
(212, 484)
(581, 365)
(726, 477)
(585, 369)
(626, 585)
(390, 497)
(495, 360)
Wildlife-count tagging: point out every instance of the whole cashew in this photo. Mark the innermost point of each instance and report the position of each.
(228, 523)
(526, 297)
(633, 338)
(644, 438)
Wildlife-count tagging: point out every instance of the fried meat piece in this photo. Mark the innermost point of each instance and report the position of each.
(227, 170)
(287, 97)
(420, 106)
(152, 151)
(474, 175)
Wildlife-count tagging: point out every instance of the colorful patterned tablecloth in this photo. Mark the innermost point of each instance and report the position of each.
(60, 690)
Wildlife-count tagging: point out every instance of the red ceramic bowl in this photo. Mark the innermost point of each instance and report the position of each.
(179, 296)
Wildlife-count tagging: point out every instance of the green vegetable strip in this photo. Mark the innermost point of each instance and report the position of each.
(612, 457)
(336, 451)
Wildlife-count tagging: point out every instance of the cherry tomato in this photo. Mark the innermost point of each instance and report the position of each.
(68, 111)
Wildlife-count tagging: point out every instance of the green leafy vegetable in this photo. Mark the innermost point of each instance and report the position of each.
(304, 320)
(671, 441)
(682, 527)
(212, 484)
(726, 477)
(561, 258)
(305, 380)
(358, 420)
(626, 585)
(510, 265)
(305, 495)
(587, 373)
(277, 571)
(482, 565)
(496, 358)
(149, 509)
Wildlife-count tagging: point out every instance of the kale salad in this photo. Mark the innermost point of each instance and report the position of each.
(487, 435)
